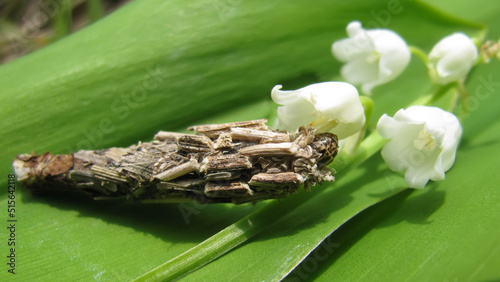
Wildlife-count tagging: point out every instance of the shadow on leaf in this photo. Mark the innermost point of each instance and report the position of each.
(189, 222)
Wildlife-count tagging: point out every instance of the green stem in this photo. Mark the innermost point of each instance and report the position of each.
(464, 96)
(368, 106)
(420, 54)
(370, 145)
(211, 248)
(478, 40)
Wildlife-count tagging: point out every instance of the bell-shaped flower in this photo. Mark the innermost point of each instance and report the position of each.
(328, 106)
(423, 142)
(371, 57)
(452, 58)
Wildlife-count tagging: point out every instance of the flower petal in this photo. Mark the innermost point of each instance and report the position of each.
(297, 110)
(358, 44)
(423, 142)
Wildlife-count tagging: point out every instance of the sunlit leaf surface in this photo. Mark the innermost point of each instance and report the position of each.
(163, 65)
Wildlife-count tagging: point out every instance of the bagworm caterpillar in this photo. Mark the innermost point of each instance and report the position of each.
(236, 162)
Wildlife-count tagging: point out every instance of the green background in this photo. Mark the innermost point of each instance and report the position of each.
(164, 65)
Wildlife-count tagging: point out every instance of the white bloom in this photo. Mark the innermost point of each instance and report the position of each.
(372, 57)
(452, 58)
(424, 142)
(328, 106)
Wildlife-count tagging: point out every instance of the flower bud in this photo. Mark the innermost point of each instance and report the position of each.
(371, 57)
(452, 58)
(423, 143)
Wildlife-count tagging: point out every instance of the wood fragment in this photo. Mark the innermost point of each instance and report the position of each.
(271, 149)
(235, 189)
(214, 130)
(225, 162)
(171, 136)
(260, 136)
(265, 179)
(194, 143)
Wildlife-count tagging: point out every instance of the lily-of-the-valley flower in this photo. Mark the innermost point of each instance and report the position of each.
(328, 106)
(452, 58)
(372, 57)
(423, 143)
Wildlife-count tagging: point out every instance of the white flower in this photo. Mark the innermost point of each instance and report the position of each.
(328, 106)
(424, 142)
(372, 57)
(452, 58)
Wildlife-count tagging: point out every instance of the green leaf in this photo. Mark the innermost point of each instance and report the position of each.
(162, 65)
(153, 65)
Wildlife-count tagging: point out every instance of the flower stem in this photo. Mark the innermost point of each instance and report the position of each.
(419, 53)
(368, 106)
(370, 145)
(479, 39)
(442, 90)
(464, 97)
(213, 247)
